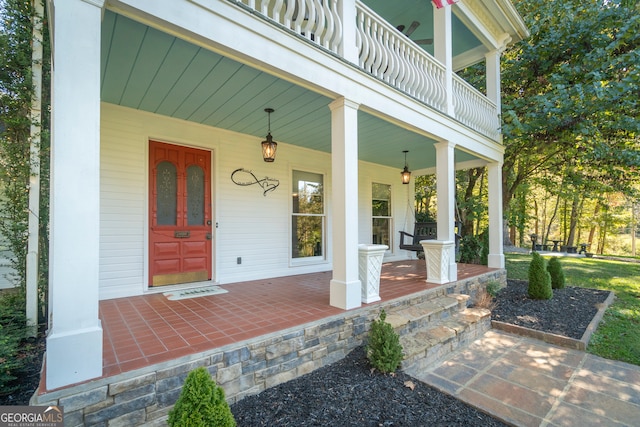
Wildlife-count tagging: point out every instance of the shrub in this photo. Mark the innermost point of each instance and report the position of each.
(539, 279)
(483, 299)
(555, 271)
(493, 287)
(12, 331)
(470, 250)
(201, 403)
(384, 350)
(8, 362)
(484, 248)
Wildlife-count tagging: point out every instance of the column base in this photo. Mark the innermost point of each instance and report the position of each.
(345, 295)
(73, 357)
(496, 261)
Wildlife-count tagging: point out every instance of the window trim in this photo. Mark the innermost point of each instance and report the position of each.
(318, 259)
(388, 217)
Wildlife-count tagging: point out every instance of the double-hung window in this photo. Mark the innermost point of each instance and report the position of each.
(308, 216)
(381, 214)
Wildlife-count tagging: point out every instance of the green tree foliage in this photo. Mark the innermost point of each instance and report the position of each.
(570, 103)
(425, 195)
(384, 350)
(12, 327)
(539, 279)
(16, 93)
(572, 93)
(201, 403)
(556, 273)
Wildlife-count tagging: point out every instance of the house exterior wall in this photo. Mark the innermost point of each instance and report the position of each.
(250, 225)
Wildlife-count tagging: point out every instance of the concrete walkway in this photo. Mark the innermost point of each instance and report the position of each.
(526, 382)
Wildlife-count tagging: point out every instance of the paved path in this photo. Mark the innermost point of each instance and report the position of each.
(527, 382)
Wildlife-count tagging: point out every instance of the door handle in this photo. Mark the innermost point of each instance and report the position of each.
(208, 236)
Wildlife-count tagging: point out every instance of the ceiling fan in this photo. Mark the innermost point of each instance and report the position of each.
(411, 29)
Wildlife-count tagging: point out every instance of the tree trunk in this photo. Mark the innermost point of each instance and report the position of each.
(592, 231)
(576, 208)
(467, 224)
(553, 216)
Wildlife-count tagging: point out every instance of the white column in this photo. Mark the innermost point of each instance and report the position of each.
(345, 284)
(446, 194)
(496, 256)
(347, 12)
(74, 340)
(443, 50)
(493, 77)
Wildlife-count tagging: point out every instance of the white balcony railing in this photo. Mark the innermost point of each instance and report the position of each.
(317, 20)
(389, 55)
(474, 109)
(385, 53)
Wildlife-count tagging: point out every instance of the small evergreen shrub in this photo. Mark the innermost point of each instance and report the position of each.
(384, 350)
(539, 279)
(470, 250)
(201, 403)
(493, 287)
(555, 271)
(484, 248)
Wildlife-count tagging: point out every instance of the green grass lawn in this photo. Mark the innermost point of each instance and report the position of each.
(618, 335)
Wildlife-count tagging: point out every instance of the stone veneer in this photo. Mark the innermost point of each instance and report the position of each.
(145, 396)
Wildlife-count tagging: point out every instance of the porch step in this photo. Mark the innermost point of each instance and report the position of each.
(433, 329)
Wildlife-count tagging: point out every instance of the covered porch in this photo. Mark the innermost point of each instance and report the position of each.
(257, 335)
(144, 330)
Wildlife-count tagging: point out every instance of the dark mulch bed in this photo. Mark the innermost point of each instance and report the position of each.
(27, 378)
(568, 313)
(348, 393)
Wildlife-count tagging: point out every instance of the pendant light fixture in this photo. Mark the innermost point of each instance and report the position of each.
(269, 145)
(406, 174)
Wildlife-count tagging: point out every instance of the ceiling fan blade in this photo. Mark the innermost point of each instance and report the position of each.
(412, 28)
(400, 27)
(424, 41)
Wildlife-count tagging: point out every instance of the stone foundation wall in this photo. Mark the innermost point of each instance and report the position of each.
(145, 396)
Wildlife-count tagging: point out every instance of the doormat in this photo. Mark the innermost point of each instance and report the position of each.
(194, 293)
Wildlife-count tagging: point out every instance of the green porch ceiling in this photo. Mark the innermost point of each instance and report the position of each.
(146, 69)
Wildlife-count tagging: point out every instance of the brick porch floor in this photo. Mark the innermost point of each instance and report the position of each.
(144, 330)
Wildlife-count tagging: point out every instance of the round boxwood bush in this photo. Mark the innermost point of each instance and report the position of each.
(539, 279)
(201, 403)
(384, 350)
(555, 271)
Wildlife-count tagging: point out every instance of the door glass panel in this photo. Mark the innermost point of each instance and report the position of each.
(195, 195)
(166, 188)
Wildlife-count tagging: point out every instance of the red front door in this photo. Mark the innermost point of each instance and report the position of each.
(180, 214)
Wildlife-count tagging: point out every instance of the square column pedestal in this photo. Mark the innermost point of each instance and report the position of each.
(437, 255)
(369, 267)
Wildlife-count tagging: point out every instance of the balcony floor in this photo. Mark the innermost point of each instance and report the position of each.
(144, 330)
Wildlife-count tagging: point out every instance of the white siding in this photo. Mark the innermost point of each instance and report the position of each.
(249, 225)
(401, 205)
